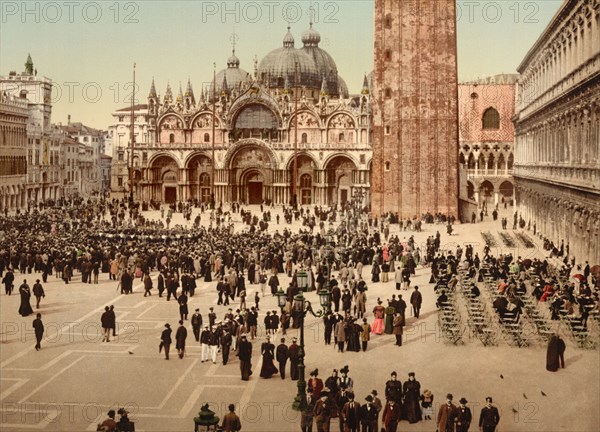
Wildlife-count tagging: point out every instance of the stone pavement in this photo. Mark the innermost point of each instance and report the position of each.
(72, 382)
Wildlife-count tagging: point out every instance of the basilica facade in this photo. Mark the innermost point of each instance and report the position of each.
(251, 137)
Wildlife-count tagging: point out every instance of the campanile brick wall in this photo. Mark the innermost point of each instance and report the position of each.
(415, 92)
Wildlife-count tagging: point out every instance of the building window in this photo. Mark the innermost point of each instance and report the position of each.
(491, 119)
(388, 21)
(121, 118)
(304, 138)
(388, 166)
(120, 181)
(388, 130)
(388, 55)
(474, 95)
(206, 137)
(120, 156)
(172, 138)
(341, 137)
(388, 93)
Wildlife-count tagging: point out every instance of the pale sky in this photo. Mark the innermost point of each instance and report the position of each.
(88, 48)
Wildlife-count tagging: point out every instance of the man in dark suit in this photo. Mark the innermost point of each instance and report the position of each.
(180, 337)
(197, 324)
(351, 414)
(489, 417)
(38, 328)
(293, 354)
(165, 340)
(161, 284)
(369, 415)
(226, 341)
(463, 416)
(281, 355)
(307, 413)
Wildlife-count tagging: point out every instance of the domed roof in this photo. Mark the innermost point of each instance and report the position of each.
(311, 37)
(325, 64)
(233, 61)
(279, 66)
(232, 76)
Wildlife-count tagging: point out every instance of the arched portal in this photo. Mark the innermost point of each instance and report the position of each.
(340, 172)
(199, 168)
(164, 179)
(253, 182)
(251, 174)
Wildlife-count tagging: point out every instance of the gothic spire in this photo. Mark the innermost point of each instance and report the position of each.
(365, 88)
(152, 90)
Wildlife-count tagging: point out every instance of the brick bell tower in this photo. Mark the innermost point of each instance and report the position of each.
(415, 107)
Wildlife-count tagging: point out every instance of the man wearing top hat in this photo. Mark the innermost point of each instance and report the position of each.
(369, 415)
(489, 417)
(446, 413)
(351, 414)
(463, 416)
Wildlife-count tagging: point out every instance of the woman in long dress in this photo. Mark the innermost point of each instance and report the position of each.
(378, 326)
(25, 308)
(375, 272)
(268, 367)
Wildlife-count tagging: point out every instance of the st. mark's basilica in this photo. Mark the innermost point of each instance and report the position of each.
(295, 110)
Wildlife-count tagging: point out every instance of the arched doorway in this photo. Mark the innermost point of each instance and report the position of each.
(163, 180)
(340, 179)
(506, 190)
(199, 171)
(253, 186)
(169, 181)
(251, 173)
(486, 191)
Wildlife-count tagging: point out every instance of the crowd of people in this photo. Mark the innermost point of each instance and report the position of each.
(113, 238)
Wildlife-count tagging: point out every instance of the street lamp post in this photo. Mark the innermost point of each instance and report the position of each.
(301, 307)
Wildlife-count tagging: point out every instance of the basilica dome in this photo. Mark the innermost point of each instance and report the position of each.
(278, 68)
(231, 77)
(324, 62)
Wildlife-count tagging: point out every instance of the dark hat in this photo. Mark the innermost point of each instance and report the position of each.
(369, 398)
(345, 370)
(463, 401)
(374, 392)
(111, 413)
(394, 373)
(315, 372)
(411, 374)
(449, 396)
(489, 399)
(197, 310)
(168, 325)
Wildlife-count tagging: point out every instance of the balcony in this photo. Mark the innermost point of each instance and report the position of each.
(581, 177)
(489, 173)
